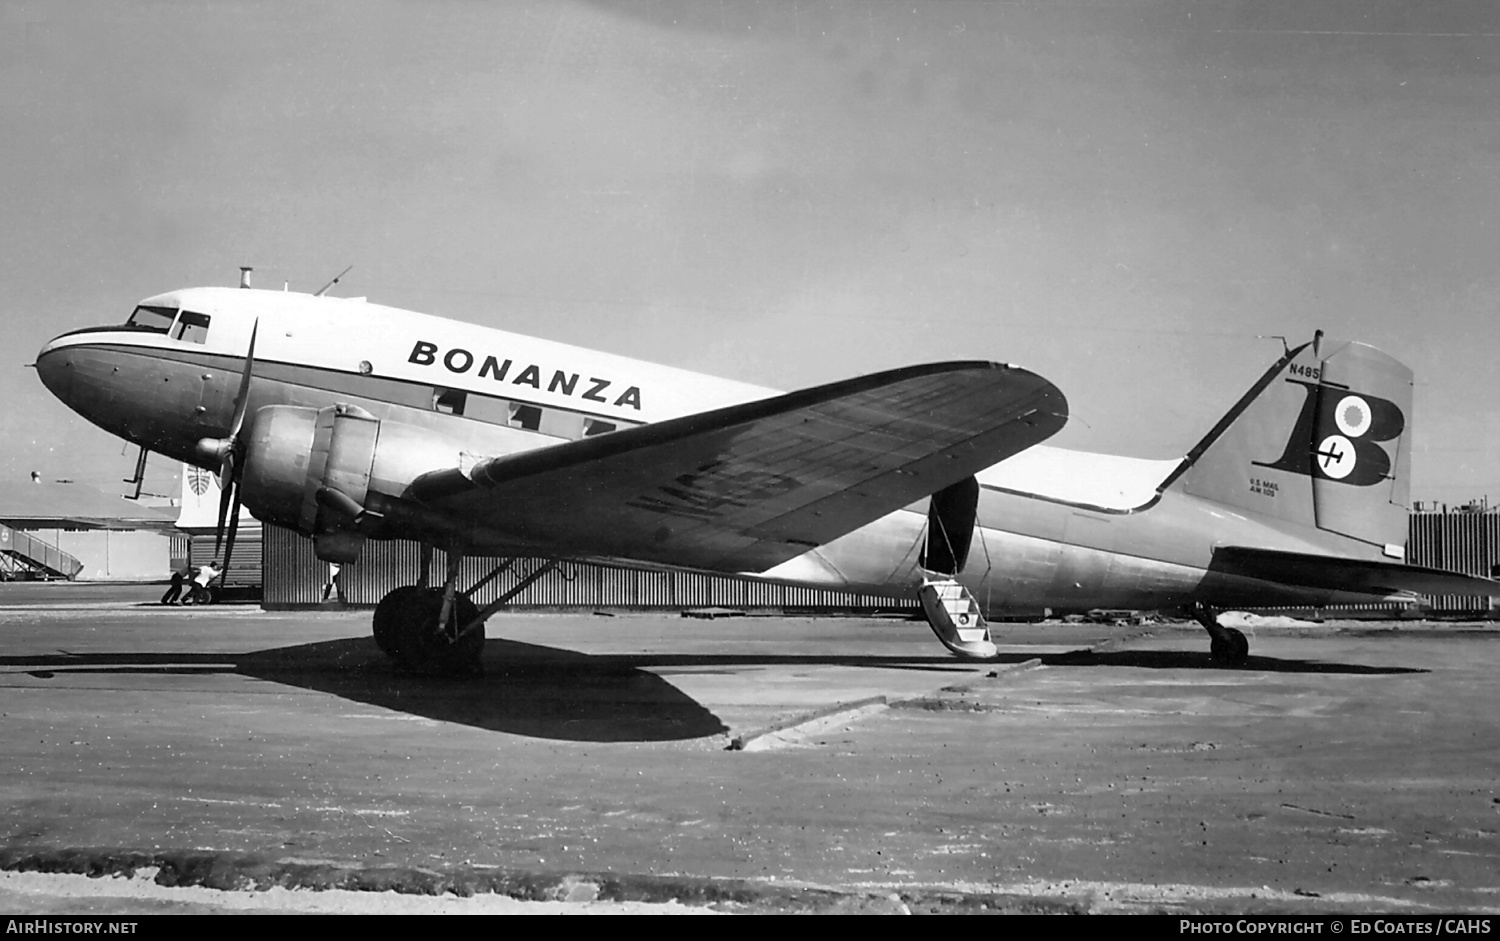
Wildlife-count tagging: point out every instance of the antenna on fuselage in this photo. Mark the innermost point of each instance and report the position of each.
(1286, 348)
(335, 280)
(245, 276)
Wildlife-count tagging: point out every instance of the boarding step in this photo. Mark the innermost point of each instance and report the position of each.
(954, 616)
(23, 556)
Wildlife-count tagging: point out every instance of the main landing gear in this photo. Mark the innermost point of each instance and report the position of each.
(1226, 645)
(440, 630)
(410, 628)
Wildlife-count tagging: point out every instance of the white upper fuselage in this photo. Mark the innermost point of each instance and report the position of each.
(359, 339)
(355, 337)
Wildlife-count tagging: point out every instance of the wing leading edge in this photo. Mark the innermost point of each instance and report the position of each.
(744, 488)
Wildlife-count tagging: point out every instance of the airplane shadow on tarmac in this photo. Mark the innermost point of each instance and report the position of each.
(526, 689)
(1195, 660)
(535, 690)
(548, 692)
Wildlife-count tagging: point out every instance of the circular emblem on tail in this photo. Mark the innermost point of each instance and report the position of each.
(1352, 416)
(1335, 456)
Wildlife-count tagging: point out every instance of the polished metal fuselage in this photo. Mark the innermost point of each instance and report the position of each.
(1032, 557)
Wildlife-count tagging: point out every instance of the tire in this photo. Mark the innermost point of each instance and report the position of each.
(418, 645)
(1233, 651)
(398, 605)
(1239, 647)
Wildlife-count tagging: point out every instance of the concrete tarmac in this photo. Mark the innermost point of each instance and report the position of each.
(749, 764)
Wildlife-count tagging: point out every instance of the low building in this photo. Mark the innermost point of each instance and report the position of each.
(107, 538)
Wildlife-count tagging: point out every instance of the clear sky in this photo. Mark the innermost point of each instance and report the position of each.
(1120, 194)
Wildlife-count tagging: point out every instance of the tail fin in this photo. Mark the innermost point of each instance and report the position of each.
(1323, 439)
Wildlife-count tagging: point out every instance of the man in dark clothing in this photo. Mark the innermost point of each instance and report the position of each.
(176, 590)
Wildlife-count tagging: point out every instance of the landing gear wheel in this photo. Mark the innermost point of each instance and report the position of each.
(1225, 645)
(1232, 649)
(200, 595)
(1239, 647)
(399, 605)
(417, 642)
(1218, 650)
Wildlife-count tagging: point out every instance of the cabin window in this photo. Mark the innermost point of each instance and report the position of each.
(192, 327)
(486, 409)
(155, 319)
(525, 416)
(556, 422)
(450, 401)
(562, 424)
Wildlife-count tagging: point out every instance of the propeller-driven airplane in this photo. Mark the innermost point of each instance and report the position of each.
(349, 421)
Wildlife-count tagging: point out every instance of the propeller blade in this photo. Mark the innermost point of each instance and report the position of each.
(226, 470)
(228, 493)
(224, 450)
(234, 525)
(242, 401)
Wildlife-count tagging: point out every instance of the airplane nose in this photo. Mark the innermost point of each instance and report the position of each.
(55, 371)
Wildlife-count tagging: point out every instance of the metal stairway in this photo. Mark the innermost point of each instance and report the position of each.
(24, 557)
(955, 617)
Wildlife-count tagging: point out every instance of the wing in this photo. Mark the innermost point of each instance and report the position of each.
(1339, 574)
(744, 488)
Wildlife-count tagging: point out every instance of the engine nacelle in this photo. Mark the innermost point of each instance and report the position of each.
(292, 453)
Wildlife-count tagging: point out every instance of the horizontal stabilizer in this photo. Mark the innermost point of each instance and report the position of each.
(1340, 574)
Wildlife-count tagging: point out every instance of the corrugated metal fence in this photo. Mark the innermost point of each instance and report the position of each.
(295, 577)
(1464, 542)
(1457, 542)
(246, 569)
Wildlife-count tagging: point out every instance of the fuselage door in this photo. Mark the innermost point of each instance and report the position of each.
(950, 527)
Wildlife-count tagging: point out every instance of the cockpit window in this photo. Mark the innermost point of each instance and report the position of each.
(192, 327)
(156, 319)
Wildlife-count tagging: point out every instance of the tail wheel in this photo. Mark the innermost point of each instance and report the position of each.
(1234, 650)
(1239, 647)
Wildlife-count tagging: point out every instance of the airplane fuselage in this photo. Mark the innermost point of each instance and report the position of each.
(1057, 530)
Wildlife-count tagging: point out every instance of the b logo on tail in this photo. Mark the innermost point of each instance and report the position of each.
(1337, 436)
